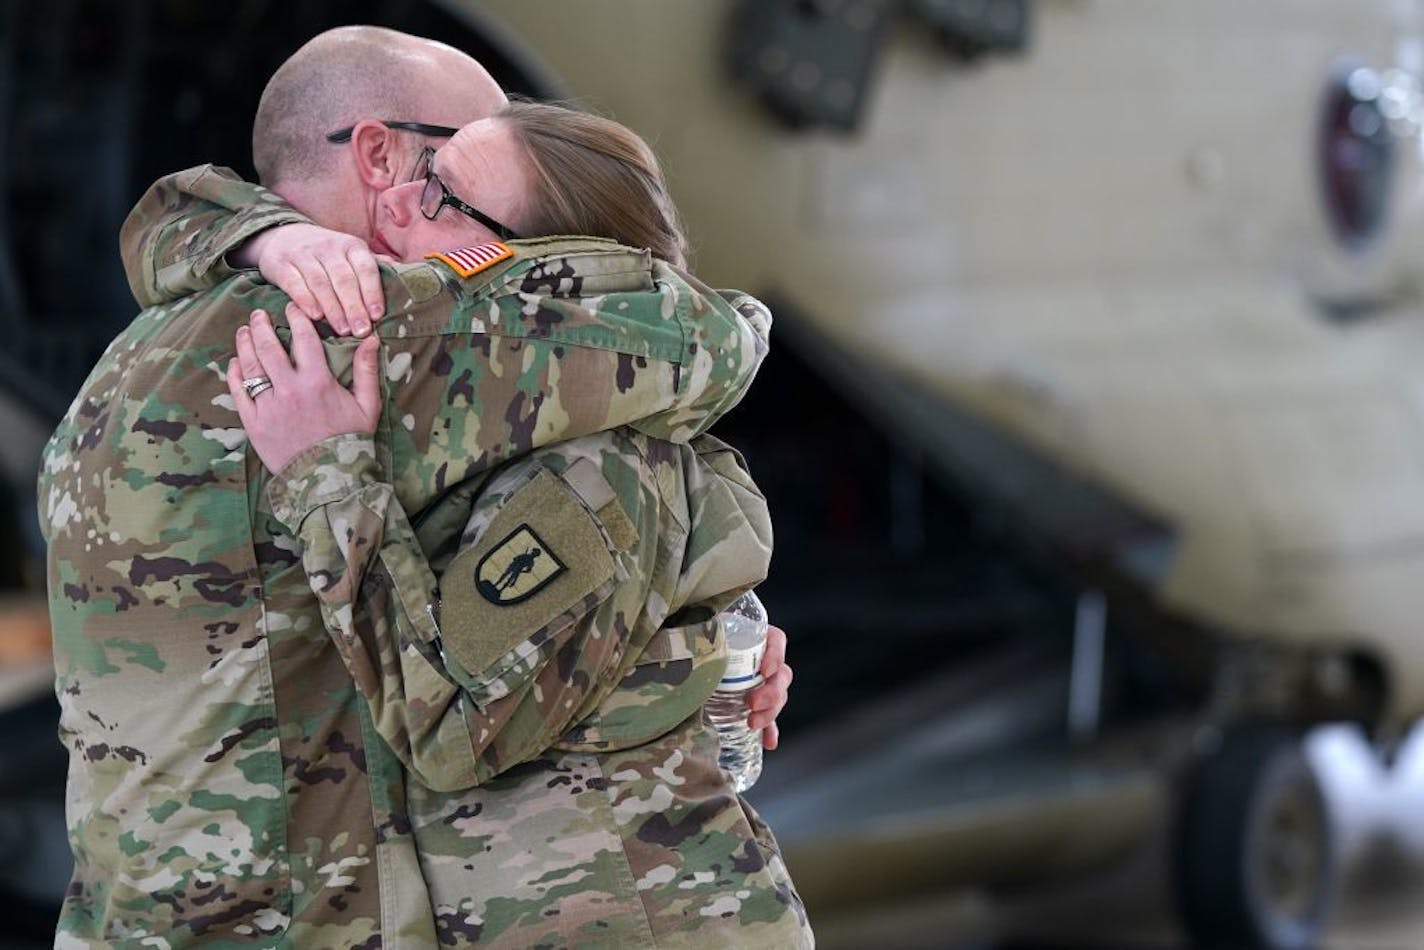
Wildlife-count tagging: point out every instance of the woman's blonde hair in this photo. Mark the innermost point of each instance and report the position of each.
(595, 176)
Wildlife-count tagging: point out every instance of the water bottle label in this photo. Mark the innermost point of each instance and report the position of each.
(743, 668)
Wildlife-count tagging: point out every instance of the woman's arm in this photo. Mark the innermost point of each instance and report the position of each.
(176, 240)
(511, 671)
(566, 337)
(465, 693)
(456, 711)
(194, 229)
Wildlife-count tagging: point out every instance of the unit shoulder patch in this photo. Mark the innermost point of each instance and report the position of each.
(517, 568)
(541, 561)
(469, 261)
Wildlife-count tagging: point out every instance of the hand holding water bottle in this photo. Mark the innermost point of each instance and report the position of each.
(767, 700)
(745, 627)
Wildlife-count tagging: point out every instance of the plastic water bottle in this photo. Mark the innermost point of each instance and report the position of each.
(744, 624)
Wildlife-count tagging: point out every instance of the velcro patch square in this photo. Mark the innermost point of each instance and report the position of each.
(469, 261)
(540, 557)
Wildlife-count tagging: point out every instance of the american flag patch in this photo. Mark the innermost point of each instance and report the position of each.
(469, 261)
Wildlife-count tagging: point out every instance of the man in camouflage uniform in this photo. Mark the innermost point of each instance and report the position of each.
(227, 782)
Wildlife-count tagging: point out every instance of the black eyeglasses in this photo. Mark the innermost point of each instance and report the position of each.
(436, 196)
(436, 131)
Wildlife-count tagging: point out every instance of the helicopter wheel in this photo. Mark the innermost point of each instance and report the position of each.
(1255, 855)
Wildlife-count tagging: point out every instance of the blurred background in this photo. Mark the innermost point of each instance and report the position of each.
(1093, 430)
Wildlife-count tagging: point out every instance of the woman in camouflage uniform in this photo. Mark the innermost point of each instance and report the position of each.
(545, 691)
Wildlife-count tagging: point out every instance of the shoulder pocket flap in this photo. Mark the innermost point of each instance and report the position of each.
(680, 643)
(540, 556)
(580, 267)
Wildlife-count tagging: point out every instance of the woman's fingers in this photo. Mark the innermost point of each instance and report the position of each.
(327, 274)
(319, 280)
(307, 352)
(340, 285)
(270, 353)
(248, 366)
(309, 405)
(365, 378)
(349, 285)
(293, 283)
(246, 409)
(368, 293)
(343, 281)
(314, 371)
(247, 360)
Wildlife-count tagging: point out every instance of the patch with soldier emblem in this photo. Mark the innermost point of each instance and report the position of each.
(469, 261)
(517, 569)
(543, 560)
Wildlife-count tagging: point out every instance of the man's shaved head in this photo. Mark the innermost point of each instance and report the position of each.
(352, 73)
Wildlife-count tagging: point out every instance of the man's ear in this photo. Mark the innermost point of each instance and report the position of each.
(373, 148)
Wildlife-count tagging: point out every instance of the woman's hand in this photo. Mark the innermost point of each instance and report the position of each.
(767, 700)
(328, 275)
(302, 403)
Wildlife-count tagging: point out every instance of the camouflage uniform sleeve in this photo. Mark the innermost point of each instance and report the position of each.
(717, 541)
(554, 566)
(175, 240)
(729, 538)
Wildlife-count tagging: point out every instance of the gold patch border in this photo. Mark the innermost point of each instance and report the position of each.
(465, 272)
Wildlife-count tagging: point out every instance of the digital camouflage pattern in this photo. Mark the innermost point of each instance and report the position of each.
(227, 785)
(618, 829)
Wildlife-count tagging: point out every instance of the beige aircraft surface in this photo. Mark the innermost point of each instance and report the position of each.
(1146, 273)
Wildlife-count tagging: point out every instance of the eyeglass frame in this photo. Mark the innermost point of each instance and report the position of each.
(427, 156)
(341, 136)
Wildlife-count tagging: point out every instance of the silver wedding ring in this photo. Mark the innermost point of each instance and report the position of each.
(256, 385)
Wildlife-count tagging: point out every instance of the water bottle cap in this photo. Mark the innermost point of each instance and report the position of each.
(748, 605)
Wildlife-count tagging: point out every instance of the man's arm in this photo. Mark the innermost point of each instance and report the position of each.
(568, 568)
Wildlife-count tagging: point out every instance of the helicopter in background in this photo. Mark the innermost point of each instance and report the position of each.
(1141, 279)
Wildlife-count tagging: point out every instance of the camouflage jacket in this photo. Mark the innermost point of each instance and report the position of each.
(565, 788)
(227, 785)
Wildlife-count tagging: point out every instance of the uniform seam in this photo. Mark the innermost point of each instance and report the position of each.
(269, 685)
(499, 284)
(625, 866)
(682, 309)
(675, 355)
(514, 273)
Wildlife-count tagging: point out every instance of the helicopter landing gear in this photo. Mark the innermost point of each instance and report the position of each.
(1254, 855)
